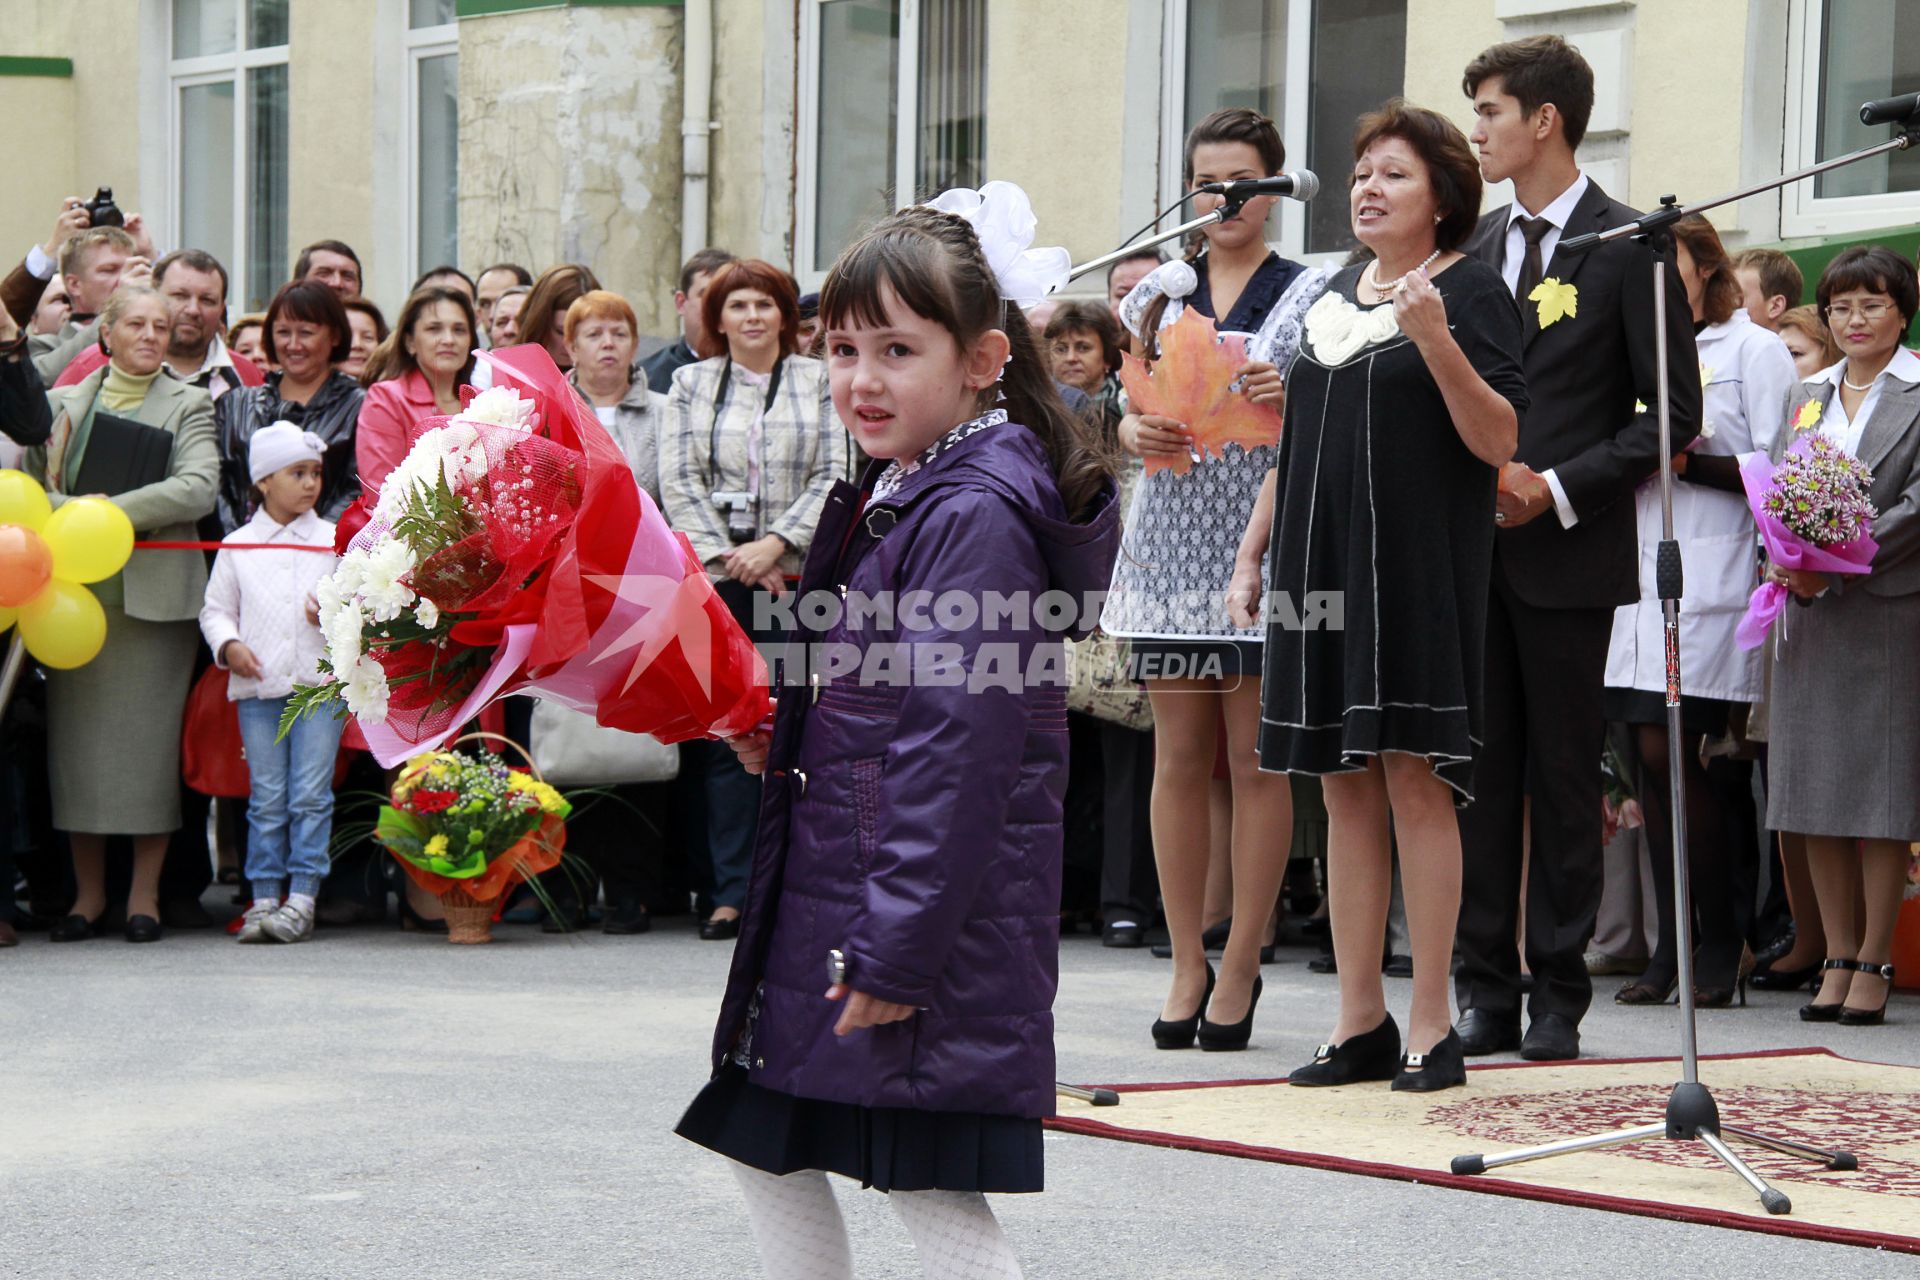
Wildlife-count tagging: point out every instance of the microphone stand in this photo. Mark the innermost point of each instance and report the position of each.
(1692, 1114)
(1228, 208)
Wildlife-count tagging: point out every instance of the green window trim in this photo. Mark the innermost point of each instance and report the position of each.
(61, 68)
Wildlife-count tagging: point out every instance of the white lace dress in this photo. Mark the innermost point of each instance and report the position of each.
(1176, 556)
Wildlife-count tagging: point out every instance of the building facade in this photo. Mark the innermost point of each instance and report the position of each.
(542, 131)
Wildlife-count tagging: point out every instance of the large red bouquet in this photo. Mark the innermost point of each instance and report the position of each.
(512, 551)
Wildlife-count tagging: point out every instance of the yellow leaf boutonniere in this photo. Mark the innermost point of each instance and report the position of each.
(1555, 300)
(1809, 415)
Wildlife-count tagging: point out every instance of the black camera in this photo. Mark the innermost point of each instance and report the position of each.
(103, 211)
(742, 512)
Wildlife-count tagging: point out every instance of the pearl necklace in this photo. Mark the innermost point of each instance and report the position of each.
(1849, 384)
(1387, 291)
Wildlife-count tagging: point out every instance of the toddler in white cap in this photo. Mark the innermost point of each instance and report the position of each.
(260, 620)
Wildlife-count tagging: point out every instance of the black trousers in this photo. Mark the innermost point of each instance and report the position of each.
(1129, 881)
(1544, 727)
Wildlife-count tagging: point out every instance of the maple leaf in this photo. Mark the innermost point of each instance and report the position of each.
(1809, 415)
(1189, 383)
(1556, 300)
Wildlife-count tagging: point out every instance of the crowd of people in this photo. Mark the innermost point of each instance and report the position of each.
(1424, 763)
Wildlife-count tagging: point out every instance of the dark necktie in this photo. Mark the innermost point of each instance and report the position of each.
(1531, 267)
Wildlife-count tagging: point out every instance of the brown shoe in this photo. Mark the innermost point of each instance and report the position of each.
(8, 938)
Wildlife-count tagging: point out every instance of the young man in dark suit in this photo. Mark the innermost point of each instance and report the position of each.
(1566, 552)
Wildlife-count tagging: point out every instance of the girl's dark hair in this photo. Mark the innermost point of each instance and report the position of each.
(1093, 318)
(310, 302)
(391, 359)
(1875, 268)
(557, 289)
(1720, 288)
(934, 264)
(749, 273)
(1229, 124)
(1453, 175)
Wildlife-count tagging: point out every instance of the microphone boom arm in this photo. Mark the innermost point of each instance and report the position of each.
(1230, 207)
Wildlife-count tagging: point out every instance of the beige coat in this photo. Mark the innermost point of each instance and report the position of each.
(160, 586)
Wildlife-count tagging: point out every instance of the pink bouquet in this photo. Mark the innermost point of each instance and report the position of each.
(1813, 513)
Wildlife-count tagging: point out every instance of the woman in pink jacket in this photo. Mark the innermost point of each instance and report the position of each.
(416, 373)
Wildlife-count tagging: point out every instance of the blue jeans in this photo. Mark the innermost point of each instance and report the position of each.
(290, 812)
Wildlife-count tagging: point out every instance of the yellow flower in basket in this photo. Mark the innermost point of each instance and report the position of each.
(437, 847)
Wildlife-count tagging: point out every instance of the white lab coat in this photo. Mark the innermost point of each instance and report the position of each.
(1746, 374)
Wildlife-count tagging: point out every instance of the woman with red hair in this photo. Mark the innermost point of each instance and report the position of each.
(749, 448)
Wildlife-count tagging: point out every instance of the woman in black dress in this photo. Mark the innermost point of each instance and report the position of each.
(1401, 406)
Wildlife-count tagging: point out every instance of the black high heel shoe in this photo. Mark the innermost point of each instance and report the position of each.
(1178, 1033)
(1374, 1055)
(1216, 1037)
(1771, 979)
(1814, 1012)
(1853, 1017)
(1721, 997)
(1641, 991)
(1442, 1067)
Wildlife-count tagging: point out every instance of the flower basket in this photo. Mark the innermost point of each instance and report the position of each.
(416, 829)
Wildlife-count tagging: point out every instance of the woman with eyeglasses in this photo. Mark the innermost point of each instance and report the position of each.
(1844, 740)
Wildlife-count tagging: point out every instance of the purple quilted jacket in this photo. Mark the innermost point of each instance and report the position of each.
(918, 829)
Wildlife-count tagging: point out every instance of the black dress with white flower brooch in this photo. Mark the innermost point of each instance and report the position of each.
(1380, 502)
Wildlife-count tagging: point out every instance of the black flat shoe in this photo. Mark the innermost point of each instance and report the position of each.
(626, 918)
(1178, 1033)
(1442, 1067)
(1854, 1017)
(1771, 979)
(1123, 933)
(143, 929)
(1215, 1037)
(1215, 937)
(1552, 1037)
(1372, 1056)
(1483, 1032)
(1815, 1012)
(73, 929)
(715, 929)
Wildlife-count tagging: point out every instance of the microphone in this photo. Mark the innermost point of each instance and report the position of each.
(1891, 110)
(1301, 184)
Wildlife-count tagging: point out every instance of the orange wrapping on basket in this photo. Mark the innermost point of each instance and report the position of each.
(537, 851)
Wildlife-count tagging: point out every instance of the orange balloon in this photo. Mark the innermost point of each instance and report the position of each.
(26, 565)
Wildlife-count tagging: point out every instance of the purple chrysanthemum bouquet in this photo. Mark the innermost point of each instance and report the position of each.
(1813, 512)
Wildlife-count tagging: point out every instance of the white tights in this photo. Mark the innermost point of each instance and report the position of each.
(797, 1225)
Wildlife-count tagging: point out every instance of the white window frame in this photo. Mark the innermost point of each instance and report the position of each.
(421, 43)
(215, 68)
(807, 139)
(1296, 105)
(1802, 212)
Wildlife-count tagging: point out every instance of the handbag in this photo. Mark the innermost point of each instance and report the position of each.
(1098, 683)
(574, 750)
(212, 761)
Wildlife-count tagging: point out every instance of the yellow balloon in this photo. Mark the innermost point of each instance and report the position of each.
(23, 501)
(64, 626)
(7, 617)
(90, 539)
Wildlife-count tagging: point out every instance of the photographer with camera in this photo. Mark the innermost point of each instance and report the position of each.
(749, 448)
(96, 249)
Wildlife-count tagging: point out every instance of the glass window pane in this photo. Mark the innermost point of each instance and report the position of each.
(201, 27)
(1359, 56)
(429, 13)
(206, 169)
(436, 161)
(267, 258)
(859, 84)
(266, 23)
(951, 151)
(1237, 57)
(1868, 49)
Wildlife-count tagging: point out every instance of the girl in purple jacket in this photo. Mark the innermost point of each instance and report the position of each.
(889, 1012)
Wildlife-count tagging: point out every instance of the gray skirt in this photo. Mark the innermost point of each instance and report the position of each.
(113, 730)
(1844, 738)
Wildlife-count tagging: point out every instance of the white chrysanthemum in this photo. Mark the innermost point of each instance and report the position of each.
(364, 688)
(331, 599)
(350, 572)
(383, 592)
(343, 632)
(428, 614)
(499, 407)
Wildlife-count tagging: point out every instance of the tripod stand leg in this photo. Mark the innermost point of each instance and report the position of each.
(1840, 1161)
(1771, 1200)
(1480, 1164)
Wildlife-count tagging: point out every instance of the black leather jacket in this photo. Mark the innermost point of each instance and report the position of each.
(333, 414)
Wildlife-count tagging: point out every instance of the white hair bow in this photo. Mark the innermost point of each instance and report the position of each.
(1002, 217)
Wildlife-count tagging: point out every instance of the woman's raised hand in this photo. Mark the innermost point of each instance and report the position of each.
(1146, 435)
(1421, 311)
(1260, 382)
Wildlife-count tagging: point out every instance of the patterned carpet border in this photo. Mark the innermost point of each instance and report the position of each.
(1492, 1184)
